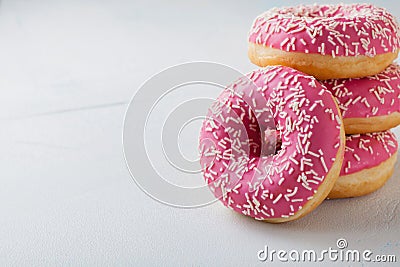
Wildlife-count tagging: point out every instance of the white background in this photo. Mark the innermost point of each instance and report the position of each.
(67, 72)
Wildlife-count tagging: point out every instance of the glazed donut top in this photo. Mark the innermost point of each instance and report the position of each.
(370, 96)
(308, 125)
(336, 30)
(365, 151)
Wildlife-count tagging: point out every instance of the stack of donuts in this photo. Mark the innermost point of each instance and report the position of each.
(325, 99)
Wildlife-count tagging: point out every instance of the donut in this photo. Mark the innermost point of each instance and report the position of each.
(369, 104)
(326, 41)
(283, 184)
(369, 161)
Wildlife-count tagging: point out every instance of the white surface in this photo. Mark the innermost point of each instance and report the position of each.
(67, 72)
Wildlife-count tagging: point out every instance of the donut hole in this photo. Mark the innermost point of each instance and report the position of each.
(272, 142)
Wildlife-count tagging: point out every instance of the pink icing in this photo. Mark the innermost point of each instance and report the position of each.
(336, 30)
(370, 96)
(367, 150)
(235, 167)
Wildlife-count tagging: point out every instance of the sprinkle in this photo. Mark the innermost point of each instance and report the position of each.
(277, 199)
(323, 164)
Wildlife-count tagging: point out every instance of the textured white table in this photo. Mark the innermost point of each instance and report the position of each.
(67, 72)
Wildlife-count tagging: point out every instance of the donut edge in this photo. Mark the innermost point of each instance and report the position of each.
(365, 181)
(322, 67)
(371, 124)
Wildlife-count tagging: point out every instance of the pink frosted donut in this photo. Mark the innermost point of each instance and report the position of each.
(326, 41)
(291, 182)
(368, 163)
(370, 104)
